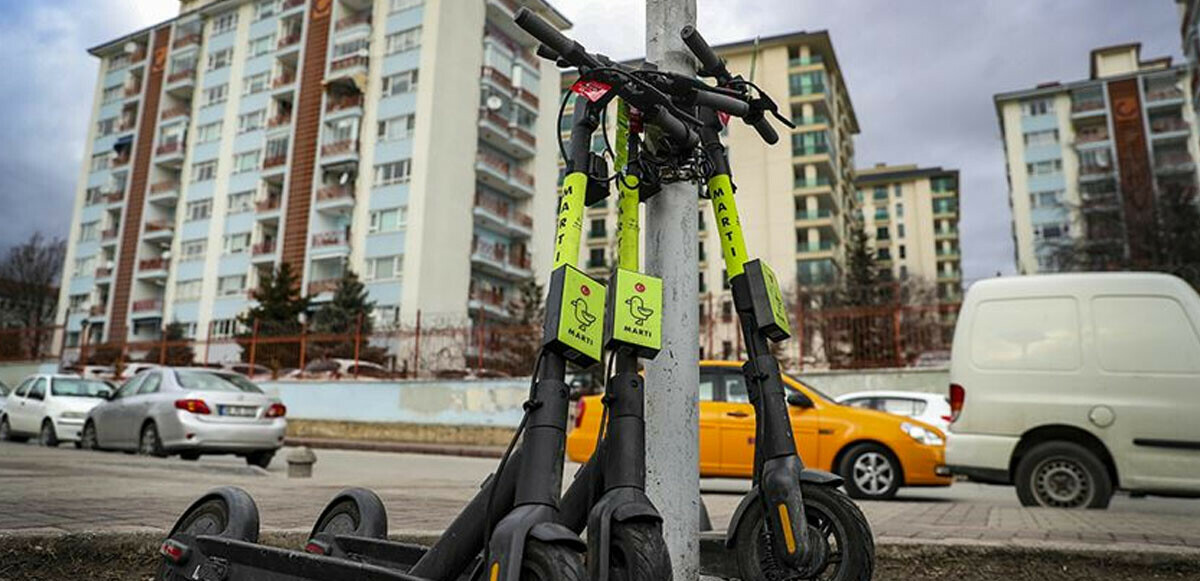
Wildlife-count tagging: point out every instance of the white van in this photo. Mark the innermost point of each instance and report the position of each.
(1074, 385)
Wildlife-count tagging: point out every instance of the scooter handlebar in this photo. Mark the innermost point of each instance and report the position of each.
(719, 102)
(709, 60)
(548, 35)
(765, 130)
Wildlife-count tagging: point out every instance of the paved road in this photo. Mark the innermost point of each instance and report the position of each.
(65, 490)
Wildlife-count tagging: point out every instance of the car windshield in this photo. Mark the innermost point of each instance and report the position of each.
(209, 381)
(816, 391)
(71, 387)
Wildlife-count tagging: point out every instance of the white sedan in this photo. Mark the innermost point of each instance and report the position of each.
(51, 407)
(931, 408)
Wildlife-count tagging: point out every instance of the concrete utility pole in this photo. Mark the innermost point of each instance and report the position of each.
(673, 378)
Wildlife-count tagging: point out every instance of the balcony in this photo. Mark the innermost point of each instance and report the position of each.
(153, 268)
(164, 193)
(521, 182)
(103, 273)
(809, 247)
(337, 152)
(497, 79)
(1087, 107)
(279, 121)
(944, 210)
(121, 160)
(274, 162)
(343, 105)
(182, 77)
(283, 80)
(176, 112)
(491, 301)
(1088, 172)
(490, 257)
(524, 144)
(519, 264)
(132, 90)
(348, 66)
(325, 286)
(528, 99)
(948, 276)
(1174, 162)
(811, 183)
(820, 214)
(109, 236)
(290, 40)
(360, 21)
(290, 5)
(169, 153)
(185, 40)
(97, 311)
(147, 308)
(945, 233)
(1163, 95)
(335, 199)
(1169, 127)
(331, 243)
(159, 230)
(948, 254)
(113, 197)
(1091, 136)
(263, 251)
(269, 206)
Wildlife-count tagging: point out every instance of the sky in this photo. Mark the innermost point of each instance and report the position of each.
(921, 76)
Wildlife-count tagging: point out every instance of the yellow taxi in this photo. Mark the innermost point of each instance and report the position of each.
(876, 453)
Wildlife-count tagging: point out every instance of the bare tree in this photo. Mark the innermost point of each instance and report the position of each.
(29, 274)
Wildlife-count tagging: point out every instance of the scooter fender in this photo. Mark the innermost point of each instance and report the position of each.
(508, 539)
(620, 505)
(807, 476)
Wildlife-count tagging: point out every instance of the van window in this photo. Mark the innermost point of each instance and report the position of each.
(1144, 335)
(1039, 334)
(707, 385)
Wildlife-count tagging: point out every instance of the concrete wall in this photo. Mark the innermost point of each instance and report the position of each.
(477, 403)
(835, 383)
(16, 372)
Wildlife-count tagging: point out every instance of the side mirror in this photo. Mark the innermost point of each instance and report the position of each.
(106, 394)
(38, 396)
(799, 400)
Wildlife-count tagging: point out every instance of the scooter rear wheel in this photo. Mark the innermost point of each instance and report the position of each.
(227, 512)
(551, 562)
(834, 518)
(356, 512)
(638, 552)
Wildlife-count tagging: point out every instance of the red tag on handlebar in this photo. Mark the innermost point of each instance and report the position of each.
(591, 90)
(724, 117)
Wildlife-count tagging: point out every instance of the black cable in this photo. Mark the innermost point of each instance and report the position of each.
(605, 402)
(530, 404)
(562, 149)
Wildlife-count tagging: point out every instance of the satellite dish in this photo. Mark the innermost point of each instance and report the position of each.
(131, 47)
(166, 255)
(362, 52)
(344, 178)
(494, 103)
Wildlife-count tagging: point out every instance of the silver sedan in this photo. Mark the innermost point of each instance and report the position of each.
(189, 412)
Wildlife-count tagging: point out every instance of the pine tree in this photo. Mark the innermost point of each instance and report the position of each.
(860, 283)
(277, 313)
(178, 351)
(347, 314)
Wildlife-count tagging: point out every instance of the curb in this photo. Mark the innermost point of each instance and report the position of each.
(465, 451)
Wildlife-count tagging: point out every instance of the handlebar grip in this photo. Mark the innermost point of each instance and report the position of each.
(699, 47)
(679, 132)
(719, 102)
(537, 27)
(763, 126)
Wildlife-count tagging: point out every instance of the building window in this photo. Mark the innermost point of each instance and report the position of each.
(216, 95)
(261, 45)
(397, 127)
(192, 250)
(188, 290)
(204, 171)
(276, 148)
(224, 328)
(389, 220)
(208, 132)
(106, 126)
(224, 23)
(403, 40)
(351, 48)
(881, 233)
(396, 172)
(89, 231)
(1042, 168)
(900, 251)
(880, 193)
(241, 202)
(220, 59)
(237, 243)
(900, 231)
(595, 258)
(899, 210)
(1050, 199)
(400, 83)
(198, 210)
(903, 272)
(1036, 138)
(264, 9)
(1051, 231)
(101, 162)
(884, 254)
(246, 161)
(85, 266)
(399, 5)
(113, 93)
(256, 83)
(384, 267)
(1036, 107)
(252, 121)
(810, 83)
(231, 285)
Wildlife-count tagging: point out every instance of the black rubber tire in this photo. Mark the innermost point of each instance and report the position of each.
(227, 512)
(261, 458)
(149, 444)
(638, 552)
(865, 452)
(88, 440)
(47, 436)
(6, 433)
(1078, 466)
(551, 562)
(189, 456)
(851, 554)
(355, 512)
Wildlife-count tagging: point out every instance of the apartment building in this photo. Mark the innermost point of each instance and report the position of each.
(1088, 160)
(794, 196)
(911, 215)
(408, 140)
(1189, 15)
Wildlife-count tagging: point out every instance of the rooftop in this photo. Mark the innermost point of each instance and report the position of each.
(892, 173)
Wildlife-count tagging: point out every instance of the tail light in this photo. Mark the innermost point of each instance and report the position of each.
(196, 406)
(958, 396)
(173, 550)
(580, 407)
(277, 410)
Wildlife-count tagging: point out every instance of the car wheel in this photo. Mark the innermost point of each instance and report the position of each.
(1063, 475)
(262, 458)
(871, 472)
(190, 456)
(5, 430)
(150, 444)
(88, 440)
(47, 437)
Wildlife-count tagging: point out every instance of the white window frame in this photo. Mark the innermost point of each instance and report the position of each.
(208, 132)
(203, 171)
(256, 83)
(216, 95)
(377, 223)
(220, 59)
(186, 247)
(247, 161)
(223, 23)
(189, 290)
(236, 243)
(396, 172)
(198, 210)
(372, 263)
(238, 202)
(403, 40)
(409, 78)
(223, 290)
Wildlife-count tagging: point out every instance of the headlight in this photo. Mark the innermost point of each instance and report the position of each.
(922, 435)
(73, 415)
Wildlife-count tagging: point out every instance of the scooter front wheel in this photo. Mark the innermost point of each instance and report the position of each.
(638, 552)
(836, 520)
(551, 562)
(227, 512)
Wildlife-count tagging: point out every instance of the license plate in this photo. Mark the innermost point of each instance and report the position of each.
(237, 411)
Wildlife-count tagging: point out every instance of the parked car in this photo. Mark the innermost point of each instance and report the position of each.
(336, 368)
(4, 391)
(931, 408)
(189, 411)
(132, 369)
(51, 407)
(876, 453)
(256, 372)
(1072, 386)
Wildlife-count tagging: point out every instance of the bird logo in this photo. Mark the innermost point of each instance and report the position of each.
(638, 310)
(582, 316)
